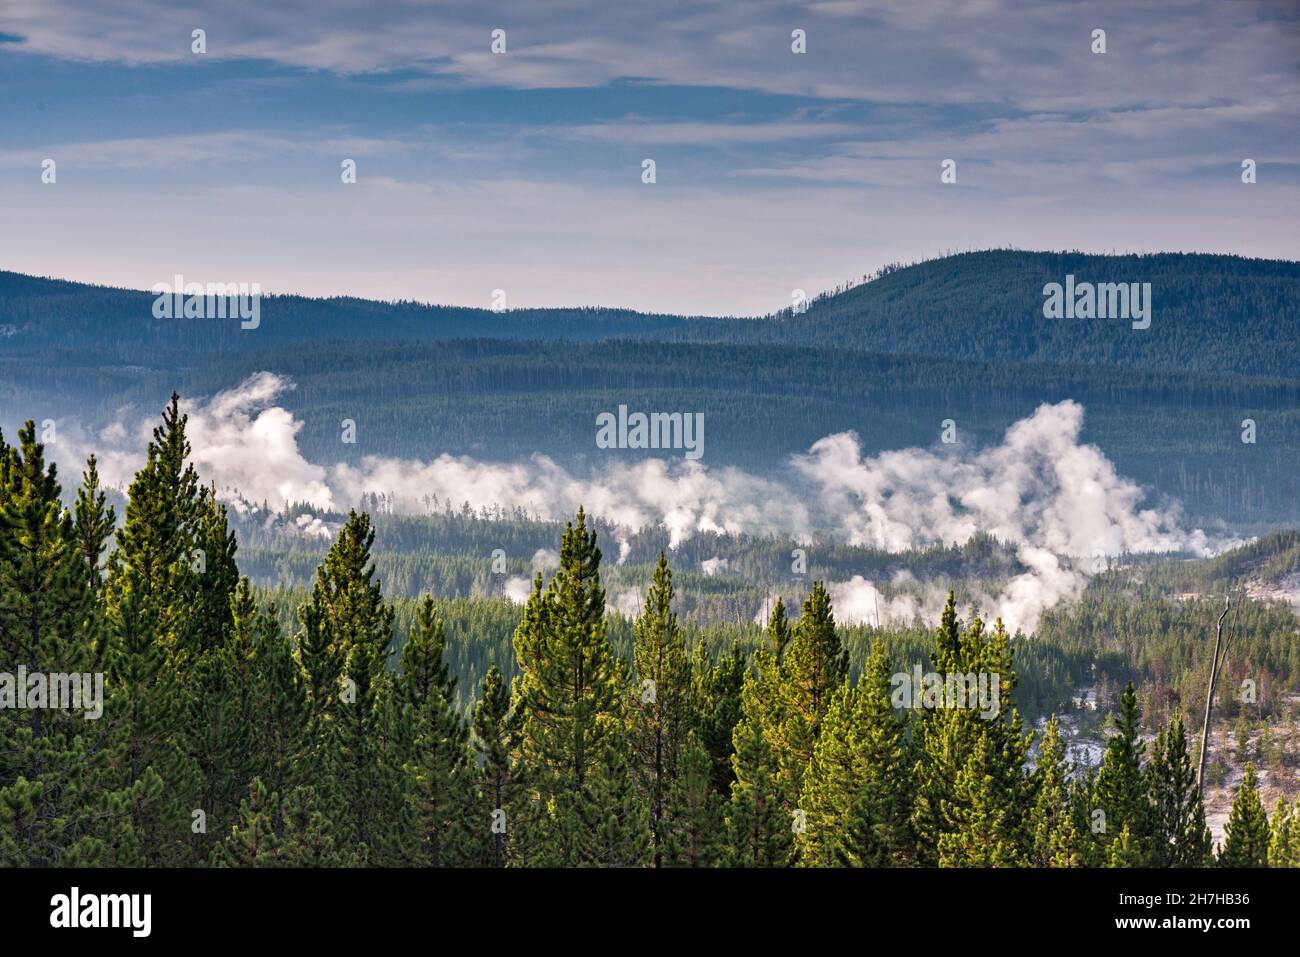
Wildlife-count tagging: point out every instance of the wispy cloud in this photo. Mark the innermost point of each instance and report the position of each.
(1022, 52)
(522, 171)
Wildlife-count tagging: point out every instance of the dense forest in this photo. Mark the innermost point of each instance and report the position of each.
(230, 736)
(960, 338)
(1212, 314)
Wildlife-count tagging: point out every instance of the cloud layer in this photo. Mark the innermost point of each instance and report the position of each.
(521, 171)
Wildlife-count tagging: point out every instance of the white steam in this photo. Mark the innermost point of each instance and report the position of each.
(1057, 502)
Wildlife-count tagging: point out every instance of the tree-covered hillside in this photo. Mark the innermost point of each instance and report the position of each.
(229, 733)
(1215, 314)
(960, 338)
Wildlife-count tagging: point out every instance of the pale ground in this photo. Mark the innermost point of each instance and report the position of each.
(1088, 748)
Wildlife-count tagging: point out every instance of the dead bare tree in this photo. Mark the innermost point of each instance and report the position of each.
(1215, 665)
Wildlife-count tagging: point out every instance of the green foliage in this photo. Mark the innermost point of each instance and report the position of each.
(1284, 842)
(582, 803)
(598, 742)
(1246, 836)
(1055, 839)
(1121, 790)
(1179, 837)
(972, 796)
(857, 790)
(659, 711)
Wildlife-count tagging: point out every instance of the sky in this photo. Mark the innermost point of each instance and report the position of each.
(523, 170)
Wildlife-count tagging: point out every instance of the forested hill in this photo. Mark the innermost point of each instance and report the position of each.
(1209, 314)
(53, 314)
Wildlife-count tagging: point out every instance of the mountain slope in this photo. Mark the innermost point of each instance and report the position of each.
(1211, 314)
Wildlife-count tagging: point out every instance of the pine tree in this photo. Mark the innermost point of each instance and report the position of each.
(1246, 835)
(309, 834)
(696, 834)
(759, 825)
(1086, 820)
(436, 744)
(94, 523)
(213, 579)
(856, 797)
(607, 823)
(252, 841)
(572, 739)
(811, 671)
(274, 705)
(1284, 841)
(715, 705)
(150, 580)
(1121, 789)
(220, 741)
(1179, 836)
(56, 800)
(1124, 850)
(155, 545)
(972, 798)
(659, 707)
(495, 732)
(359, 781)
(1054, 838)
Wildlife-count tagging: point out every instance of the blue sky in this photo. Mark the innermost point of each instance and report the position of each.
(522, 171)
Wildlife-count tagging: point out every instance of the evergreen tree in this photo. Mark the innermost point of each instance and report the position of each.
(569, 696)
(437, 745)
(607, 823)
(309, 834)
(696, 834)
(715, 705)
(213, 579)
(1124, 850)
(1085, 819)
(1053, 832)
(659, 708)
(150, 581)
(972, 798)
(758, 824)
(55, 797)
(359, 782)
(1284, 841)
(495, 731)
(1121, 789)
(811, 671)
(274, 706)
(856, 798)
(1179, 835)
(94, 523)
(252, 841)
(1246, 835)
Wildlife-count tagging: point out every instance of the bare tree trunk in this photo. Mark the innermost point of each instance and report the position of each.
(1209, 700)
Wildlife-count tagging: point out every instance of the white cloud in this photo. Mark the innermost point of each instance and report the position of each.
(1026, 53)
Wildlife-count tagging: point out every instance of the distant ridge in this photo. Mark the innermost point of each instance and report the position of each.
(1210, 314)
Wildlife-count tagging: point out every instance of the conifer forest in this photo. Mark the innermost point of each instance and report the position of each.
(833, 461)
